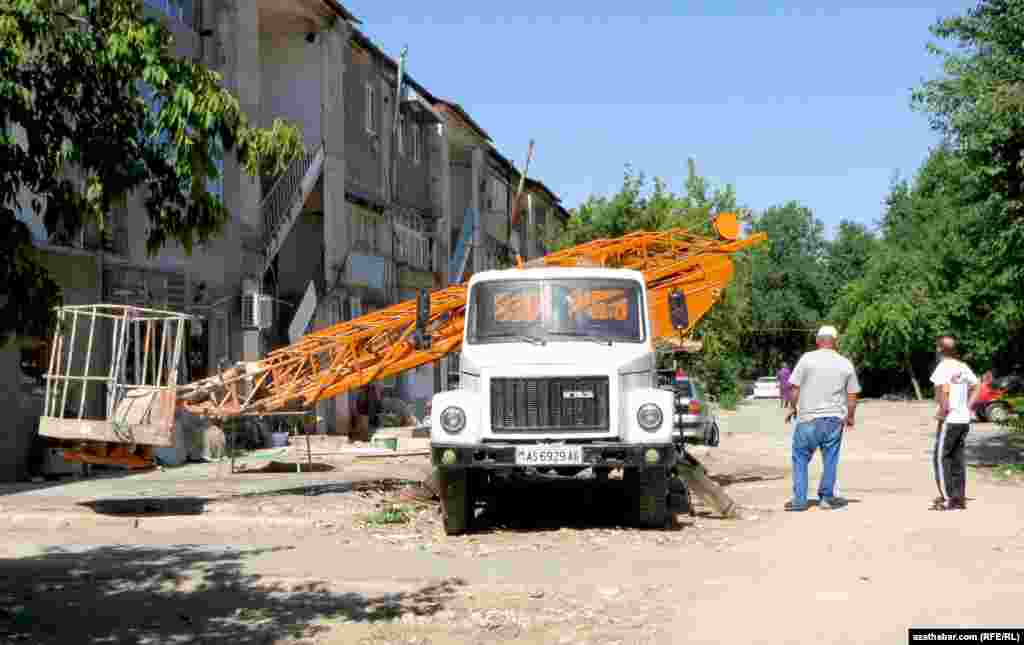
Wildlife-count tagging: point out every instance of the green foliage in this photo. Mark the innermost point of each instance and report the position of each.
(978, 104)
(927, 276)
(389, 514)
(640, 206)
(848, 257)
(80, 136)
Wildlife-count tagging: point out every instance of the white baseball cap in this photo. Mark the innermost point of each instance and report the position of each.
(828, 331)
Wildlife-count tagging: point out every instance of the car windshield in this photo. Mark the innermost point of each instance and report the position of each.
(571, 309)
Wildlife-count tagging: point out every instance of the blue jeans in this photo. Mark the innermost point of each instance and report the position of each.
(825, 434)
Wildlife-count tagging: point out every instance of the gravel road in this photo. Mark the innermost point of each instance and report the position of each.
(197, 555)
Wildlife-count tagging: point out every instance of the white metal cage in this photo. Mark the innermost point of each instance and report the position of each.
(113, 377)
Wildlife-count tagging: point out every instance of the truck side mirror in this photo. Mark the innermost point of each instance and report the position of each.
(678, 313)
(422, 340)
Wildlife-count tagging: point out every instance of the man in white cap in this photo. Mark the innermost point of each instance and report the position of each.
(824, 398)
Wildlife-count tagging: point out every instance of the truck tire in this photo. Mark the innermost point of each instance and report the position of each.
(713, 435)
(679, 498)
(649, 496)
(456, 501)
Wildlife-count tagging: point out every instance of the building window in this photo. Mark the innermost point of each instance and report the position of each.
(183, 10)
(371, 108)
(401, 134)
(216, 186)
(417, 143)
(23, 212)
(498, 202)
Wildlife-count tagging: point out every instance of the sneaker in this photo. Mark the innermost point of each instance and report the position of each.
(827, 503)
(940, 504)
(792, 506)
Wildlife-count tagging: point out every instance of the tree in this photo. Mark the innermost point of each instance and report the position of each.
(978, 105)
(847, 257)
(790, 285)
(80, 137)
(927, 276)
(639, 207)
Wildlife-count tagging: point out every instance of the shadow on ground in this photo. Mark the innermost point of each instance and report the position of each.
(551, 504)
(187, 594)
(749, 477)
(185, 505)
(285, 467)
(997, 447)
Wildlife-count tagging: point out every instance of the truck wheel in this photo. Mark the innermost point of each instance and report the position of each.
(679, 499)
(713, 435)
(456, 501)
(998, 413)
(649, 488)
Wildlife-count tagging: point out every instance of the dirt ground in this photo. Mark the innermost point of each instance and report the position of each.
(200, 555)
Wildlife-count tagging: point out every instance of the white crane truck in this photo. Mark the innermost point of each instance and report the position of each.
(557, 372)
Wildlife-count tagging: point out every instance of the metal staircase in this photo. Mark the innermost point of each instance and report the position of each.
(283, 202)
(459, 261)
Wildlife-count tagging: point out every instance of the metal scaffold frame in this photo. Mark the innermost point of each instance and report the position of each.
(134, 375)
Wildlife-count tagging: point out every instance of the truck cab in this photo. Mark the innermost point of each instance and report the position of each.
(557, 372)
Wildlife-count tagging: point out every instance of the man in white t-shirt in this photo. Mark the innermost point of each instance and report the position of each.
(956, 388)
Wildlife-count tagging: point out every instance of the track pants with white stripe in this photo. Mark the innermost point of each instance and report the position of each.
(950, 467)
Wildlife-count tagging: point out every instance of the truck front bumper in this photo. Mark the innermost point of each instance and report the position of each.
(597, 454)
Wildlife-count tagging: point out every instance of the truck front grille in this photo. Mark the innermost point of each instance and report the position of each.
(568, 404)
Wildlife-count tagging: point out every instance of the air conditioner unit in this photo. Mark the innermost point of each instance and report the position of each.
(257, 311)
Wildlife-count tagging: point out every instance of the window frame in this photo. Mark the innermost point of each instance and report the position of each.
(370, 120)
(400, 134)
(183, 11)
(417, 143)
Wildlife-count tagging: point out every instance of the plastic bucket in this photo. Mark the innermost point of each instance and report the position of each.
(278, 439)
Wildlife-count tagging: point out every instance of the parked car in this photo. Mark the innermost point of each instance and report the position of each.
(694, 416)
(767, 387)
(993, 404)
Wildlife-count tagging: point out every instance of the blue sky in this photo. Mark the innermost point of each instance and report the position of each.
(784, 100)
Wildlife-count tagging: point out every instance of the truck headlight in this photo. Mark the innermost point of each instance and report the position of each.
(649, 416)
(453, 419)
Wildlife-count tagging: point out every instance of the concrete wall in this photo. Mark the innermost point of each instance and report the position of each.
(18, 429)
(291, 81)
(20, 398)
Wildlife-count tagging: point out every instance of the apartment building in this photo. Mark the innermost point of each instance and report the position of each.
(375, 210)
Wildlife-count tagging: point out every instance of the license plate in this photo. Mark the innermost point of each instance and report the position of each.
(549, 455)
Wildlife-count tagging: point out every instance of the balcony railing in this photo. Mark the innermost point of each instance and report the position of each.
(412, 248)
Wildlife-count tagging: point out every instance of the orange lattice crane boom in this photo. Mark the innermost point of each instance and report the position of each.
(352, 354)
(111, 400)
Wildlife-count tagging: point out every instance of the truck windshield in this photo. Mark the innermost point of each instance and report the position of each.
(574, 309)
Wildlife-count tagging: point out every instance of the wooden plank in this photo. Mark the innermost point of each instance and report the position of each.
(89, 430)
